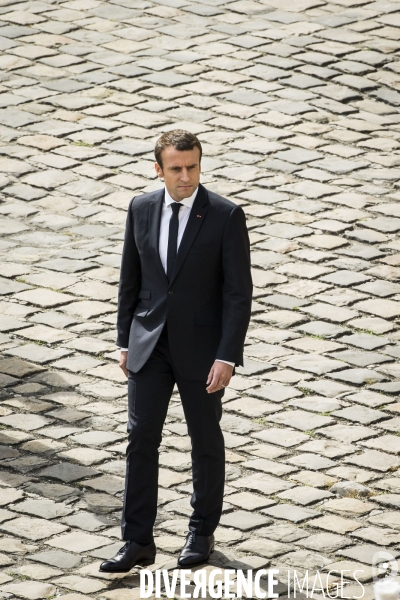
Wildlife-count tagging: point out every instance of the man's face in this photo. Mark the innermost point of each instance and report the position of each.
(180, 170)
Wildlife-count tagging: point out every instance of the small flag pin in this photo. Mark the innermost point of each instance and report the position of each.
(198, 216)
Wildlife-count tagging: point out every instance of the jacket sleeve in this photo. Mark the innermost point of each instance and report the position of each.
(237, 288)
(129, 282)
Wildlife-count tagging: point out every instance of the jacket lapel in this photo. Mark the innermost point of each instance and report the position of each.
(196, 219)
(155, 208)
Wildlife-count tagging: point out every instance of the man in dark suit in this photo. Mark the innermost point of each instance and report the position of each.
(183, 312)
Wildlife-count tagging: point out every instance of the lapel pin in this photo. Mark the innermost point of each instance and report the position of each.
(198, 216)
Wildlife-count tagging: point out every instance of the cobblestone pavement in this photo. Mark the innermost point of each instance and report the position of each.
(297, 107)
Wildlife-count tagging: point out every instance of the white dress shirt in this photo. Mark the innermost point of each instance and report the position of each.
(183, 216)
(166, 213)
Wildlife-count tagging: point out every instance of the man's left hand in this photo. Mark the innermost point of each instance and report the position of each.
(219, 376)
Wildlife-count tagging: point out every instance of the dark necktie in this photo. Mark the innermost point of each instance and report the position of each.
(173, 238)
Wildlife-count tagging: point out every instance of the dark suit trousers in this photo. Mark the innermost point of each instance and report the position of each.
(149, 393)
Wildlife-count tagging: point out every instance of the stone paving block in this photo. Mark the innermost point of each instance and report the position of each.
(307, 271)
(304, 495)
(274, 436)
(347, 433)
(80, 584)
(243, 520)
(282, 532)
(322, 329)
(67, 414)
(313, 479)
(46, 509)
(251, 407)
(301, 420)
(42, 333)
(87, 309)
(315, 404)
(97, 438)
(36, 572)
(362, 553)
(365, 341)
(353, 474)
(360, 414)
(106, 483)
(26, 464)
(336, 523)
(268, 466)
(368, 398)
(78, 542)
(306, 559)
(68, 472)
(65, 265)
(337, 315)
(328, 448)
(381, 461)
(345, 278)
(358, 376)
(325, 542)
(101, 503)
(311, 461)
(281, 318)
(266, 548)
(267, 484)
(87, 521)
(26, 422)
(58, 432)
(11, 287)
(358, 570)
(348, 506)
(9, 496)
(386, 309)
(386, 443)
(390, 500)
(360, 359)
(389, 518)
(37, 353)
(77, 364)
(275, 392)
(295, 514)
(33, 529)
(8, 323)
(377, 535)
(32, 590)
(85, 456)
(313, 363)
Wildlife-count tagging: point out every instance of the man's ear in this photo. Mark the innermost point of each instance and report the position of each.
(158, 170)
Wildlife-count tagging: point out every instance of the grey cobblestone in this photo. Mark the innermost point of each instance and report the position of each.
(297, 108)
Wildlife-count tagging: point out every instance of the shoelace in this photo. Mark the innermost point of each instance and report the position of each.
(191, 538)
(124, 547)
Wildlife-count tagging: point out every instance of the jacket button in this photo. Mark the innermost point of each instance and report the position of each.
(170, 291)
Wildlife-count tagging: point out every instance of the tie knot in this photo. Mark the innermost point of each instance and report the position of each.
(175, 207)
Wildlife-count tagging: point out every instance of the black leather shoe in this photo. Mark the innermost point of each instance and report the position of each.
(129, 556)
(197, 549)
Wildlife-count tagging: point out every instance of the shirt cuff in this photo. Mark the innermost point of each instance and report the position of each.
(225, 361)
(124, 349)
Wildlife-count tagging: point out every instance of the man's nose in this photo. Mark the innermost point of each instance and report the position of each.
(185, 175)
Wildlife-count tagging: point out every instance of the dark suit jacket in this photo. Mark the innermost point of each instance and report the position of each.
(208, 301)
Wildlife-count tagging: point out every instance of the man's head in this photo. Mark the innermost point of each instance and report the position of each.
(178, 155)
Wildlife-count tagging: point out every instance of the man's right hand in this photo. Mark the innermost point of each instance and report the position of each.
(122, 362)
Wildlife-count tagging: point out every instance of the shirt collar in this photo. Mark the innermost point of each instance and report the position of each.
(186, 201)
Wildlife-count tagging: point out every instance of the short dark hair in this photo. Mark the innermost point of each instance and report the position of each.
(179, 139)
